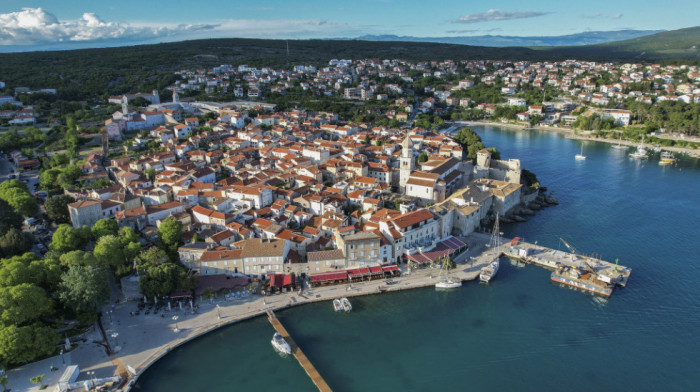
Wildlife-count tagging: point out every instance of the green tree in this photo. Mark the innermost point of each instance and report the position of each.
(48, 179)
(127, 235)
(21, 201)
(46, 273)
(23, 303)
(66, 239)
(15, 242)
(423, 157)
(84, 289)
(14, 271)
(495, 154)
(169, 236)
(470, 142)
(19, 345)
(76, 258)
(8, 218)
(110, 253)
(12, 184)
(103, 227)
(56, 208)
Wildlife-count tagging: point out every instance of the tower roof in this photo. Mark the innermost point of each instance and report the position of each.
(407, 142)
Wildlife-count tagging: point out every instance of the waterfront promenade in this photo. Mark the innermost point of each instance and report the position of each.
(139, 341)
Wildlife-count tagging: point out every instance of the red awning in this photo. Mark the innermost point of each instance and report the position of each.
(289, 280)
(376, 270)
(389, 268)
(326, 276)
(180, 295)
(276, 280)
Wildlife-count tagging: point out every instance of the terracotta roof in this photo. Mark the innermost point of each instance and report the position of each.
(411, 218)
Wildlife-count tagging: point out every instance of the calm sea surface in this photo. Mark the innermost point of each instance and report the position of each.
(521, 332)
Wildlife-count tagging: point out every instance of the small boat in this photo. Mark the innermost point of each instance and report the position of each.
(489, 271)
(337, 305)
(447, 282)
(347, 306)
(280, 344)
(580, 157)
(641, 152)
(666, 158)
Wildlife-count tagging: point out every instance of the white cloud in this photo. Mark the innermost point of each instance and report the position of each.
(600, 15)
(495, 15)
(34, 26)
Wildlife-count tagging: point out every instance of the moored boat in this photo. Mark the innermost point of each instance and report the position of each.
(347, 306)
(587, 281)
(489, 271)
(337, 305)
(640, 152)
(280, 344)
(666, 158)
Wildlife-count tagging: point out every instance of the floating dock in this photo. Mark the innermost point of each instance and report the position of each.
(298, 354)
(606, 272)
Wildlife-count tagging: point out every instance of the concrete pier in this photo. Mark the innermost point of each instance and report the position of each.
(298, 354)
(551, 259)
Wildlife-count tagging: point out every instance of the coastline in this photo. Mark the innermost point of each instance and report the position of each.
(570, 134)
(234, 311)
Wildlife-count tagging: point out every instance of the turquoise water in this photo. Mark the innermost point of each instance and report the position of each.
(521, 332)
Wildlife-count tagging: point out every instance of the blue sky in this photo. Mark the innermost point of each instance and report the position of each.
(29, 25)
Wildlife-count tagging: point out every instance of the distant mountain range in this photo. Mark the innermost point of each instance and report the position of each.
(579, 39)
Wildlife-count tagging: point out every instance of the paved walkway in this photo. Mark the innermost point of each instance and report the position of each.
(138, 341)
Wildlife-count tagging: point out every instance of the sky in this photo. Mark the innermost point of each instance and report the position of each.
(27, 25)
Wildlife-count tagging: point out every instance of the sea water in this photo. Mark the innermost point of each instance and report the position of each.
(520, 332)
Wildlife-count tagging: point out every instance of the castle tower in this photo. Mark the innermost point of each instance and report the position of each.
(156, 97)
(483, 158)
(176, 97)
(125, 106)
(406, 165)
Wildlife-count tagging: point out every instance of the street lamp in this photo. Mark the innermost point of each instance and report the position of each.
(175, 320)
(218, 311)
(115, 335)
(109, 312)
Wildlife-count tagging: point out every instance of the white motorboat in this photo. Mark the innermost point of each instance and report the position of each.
(337, 305)
(280, 344)
(489, 271)
(347, 306)
(580, 157)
